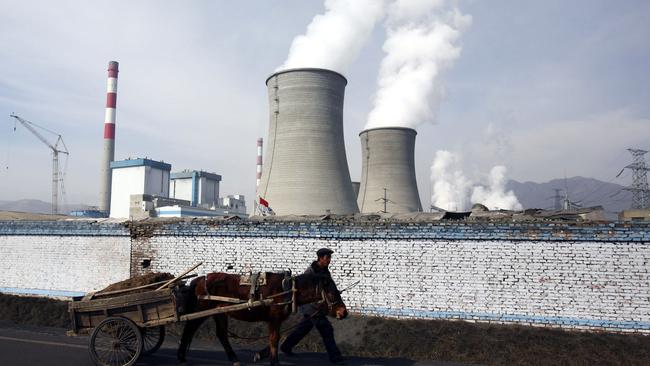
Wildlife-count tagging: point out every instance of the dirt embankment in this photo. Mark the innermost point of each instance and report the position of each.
(414, 339)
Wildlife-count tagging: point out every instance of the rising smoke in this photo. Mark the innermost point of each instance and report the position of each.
(420, 45)
(453, 191)
(333, 39)
(495, 196)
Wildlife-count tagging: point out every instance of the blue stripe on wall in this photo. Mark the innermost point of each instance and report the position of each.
(513, 318)
(40, 292)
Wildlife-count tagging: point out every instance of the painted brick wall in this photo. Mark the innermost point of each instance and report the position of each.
(593, 276)
(62, 258)
(588, 276)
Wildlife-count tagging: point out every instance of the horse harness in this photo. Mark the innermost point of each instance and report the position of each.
(256, 280)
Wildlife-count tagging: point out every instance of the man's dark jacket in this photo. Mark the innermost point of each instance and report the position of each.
(309, 309)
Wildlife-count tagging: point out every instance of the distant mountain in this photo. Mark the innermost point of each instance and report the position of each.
(36, 206)
(586, 192)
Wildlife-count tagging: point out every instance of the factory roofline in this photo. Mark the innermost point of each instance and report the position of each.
(388, 128)
(305, 69)
(199, 173)
(140, 162)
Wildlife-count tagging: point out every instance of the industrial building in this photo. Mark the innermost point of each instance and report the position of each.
(388, 181)
(233, 204)
(306, 169)
(189, 211)
(143, 188)
(640, 214)
(199, 187)
(136, 177)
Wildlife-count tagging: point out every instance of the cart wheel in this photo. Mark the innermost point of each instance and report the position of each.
(115, 341)
(152, 338)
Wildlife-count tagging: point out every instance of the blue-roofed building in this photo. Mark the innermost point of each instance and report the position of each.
(199, 187)
(137, 177)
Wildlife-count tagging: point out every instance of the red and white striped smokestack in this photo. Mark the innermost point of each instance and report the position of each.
(109, 138)
(259, 161)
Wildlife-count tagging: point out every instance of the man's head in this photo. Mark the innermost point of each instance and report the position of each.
(324, 257)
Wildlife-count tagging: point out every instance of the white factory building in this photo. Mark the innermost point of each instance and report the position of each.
(145, 188)
(199, 187)
(136, 177)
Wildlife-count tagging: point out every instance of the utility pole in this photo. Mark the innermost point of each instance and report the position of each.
(385, 200)
(639, 188)
(567, 204)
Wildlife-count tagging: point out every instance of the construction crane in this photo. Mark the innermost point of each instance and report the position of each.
(57, 148)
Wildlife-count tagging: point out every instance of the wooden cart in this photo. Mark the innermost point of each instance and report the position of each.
(126, 326)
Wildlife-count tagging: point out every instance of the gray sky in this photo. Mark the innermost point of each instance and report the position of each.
(546, 88)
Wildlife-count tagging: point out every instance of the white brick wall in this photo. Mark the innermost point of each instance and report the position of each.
(570, 284)
(63, 263)
(595, 277)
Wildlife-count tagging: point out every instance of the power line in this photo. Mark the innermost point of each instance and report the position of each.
(600, 186)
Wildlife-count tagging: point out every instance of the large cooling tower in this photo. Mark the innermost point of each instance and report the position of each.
(388, 163)
(306, 170)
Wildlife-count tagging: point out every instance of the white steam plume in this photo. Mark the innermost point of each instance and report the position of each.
(495, 196)
(420, 44)
(453, 191)
(333, 39)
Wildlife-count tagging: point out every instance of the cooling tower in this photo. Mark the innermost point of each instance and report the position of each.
(388, 162)
(306, 169)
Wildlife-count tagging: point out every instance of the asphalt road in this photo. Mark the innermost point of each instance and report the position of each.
(24, 345)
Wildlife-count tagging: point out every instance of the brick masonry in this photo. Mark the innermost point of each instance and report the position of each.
(62, 258)
(584, 276)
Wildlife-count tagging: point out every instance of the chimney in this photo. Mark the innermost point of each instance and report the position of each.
(260, 141)
(109, 139)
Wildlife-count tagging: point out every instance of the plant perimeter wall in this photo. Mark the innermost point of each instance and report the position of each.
(581, 276)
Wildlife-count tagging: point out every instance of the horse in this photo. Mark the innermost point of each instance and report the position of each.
(304, 289)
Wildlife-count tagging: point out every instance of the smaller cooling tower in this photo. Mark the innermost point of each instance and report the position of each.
(388, 162)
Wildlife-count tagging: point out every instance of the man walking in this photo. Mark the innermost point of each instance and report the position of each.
(313, 316)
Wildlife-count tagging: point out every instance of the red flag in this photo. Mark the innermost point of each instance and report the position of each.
(263, 202)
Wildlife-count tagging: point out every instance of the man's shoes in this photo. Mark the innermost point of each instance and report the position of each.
(338, 360)
(287, 351)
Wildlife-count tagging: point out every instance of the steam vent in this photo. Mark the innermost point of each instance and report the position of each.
(388, 161)
(306, 170)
